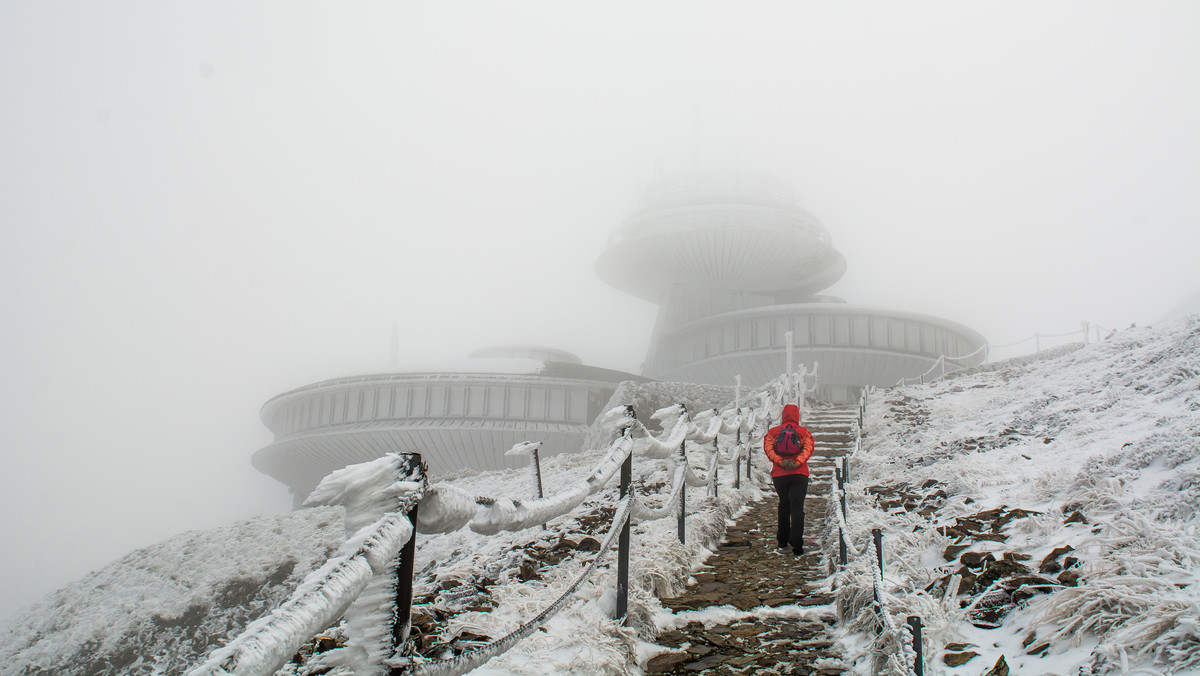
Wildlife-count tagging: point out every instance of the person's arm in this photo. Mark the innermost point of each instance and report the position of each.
(807, 446)
(769, 446)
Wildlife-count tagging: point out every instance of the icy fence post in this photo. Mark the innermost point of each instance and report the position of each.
(749, 453)
(716, 482)
(680, 526)
(877, 533)
(914, 623)
(356, 582)
(841, 533)
(737, 466)
(412, 470)
(530, 448)
(623, 539)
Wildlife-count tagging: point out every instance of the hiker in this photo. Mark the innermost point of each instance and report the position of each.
(789, 447)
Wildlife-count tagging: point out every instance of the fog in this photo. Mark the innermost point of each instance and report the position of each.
(205, 205)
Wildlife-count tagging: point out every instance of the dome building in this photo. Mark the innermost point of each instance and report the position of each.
(735, 264)
(461, 415)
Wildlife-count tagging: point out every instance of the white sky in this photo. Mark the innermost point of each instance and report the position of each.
(204, 205)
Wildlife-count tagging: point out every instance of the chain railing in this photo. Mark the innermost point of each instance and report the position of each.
(388, 500)
(908, 647)
(945, 364)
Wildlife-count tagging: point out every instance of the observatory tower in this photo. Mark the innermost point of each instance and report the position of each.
(734, 264)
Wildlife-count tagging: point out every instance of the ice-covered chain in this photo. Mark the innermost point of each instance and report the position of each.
(467, 661)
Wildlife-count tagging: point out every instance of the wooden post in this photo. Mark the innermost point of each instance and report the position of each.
(914, 623)
(623, 540)
(716, 458)
(841, 534)
(411, 469)
(537, 467)
(680, 524)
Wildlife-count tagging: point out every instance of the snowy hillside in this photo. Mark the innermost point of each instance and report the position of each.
(1041, 511)
(162, 608)
(1044, 511)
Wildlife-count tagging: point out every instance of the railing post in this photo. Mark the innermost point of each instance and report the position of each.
(749, 453)
(412, 469)
(914, 623)
(537, 467)
(623, 540)
(737, 465)
(716, 484)
(680, 525)
(878, 535)
(842, 558)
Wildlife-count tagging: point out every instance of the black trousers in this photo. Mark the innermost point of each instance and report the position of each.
(791, 488)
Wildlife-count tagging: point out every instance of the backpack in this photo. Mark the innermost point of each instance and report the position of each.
(787, 442)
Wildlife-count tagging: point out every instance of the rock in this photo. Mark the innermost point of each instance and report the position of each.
(976, 559)
(958, 659)
(664, 662)
(1076, 517)
(587, 544)
(700, 650)
(959, 647)
(953, 551)
(1000, 669)
(706, 663)
(1050, 563)
(1069, 578)
(672, 638)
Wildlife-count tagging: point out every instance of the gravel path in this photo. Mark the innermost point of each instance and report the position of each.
(748, 572)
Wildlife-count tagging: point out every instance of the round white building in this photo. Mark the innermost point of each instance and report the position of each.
(735, 264)
(465, 415)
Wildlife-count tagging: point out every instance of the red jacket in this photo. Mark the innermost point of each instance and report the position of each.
(791, 415)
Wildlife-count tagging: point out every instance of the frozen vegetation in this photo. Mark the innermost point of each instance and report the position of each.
(1040, 511)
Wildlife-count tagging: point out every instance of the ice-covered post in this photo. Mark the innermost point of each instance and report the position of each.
(837, 472)
(530, 448)
(680, 523)
(737, 466)
(623, 539)
(877, 533)
(412, 470)
(716, 459)
(1086, 330)
(914, 623)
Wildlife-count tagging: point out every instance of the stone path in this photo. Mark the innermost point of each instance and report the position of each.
(749, 572)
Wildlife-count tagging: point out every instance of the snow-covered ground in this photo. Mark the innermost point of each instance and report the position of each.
(1100, 446)
(160, 609)
(1107, 431)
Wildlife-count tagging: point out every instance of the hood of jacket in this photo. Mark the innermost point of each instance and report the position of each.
(791, 414)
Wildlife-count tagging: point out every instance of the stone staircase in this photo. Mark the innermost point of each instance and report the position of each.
(748, 572)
